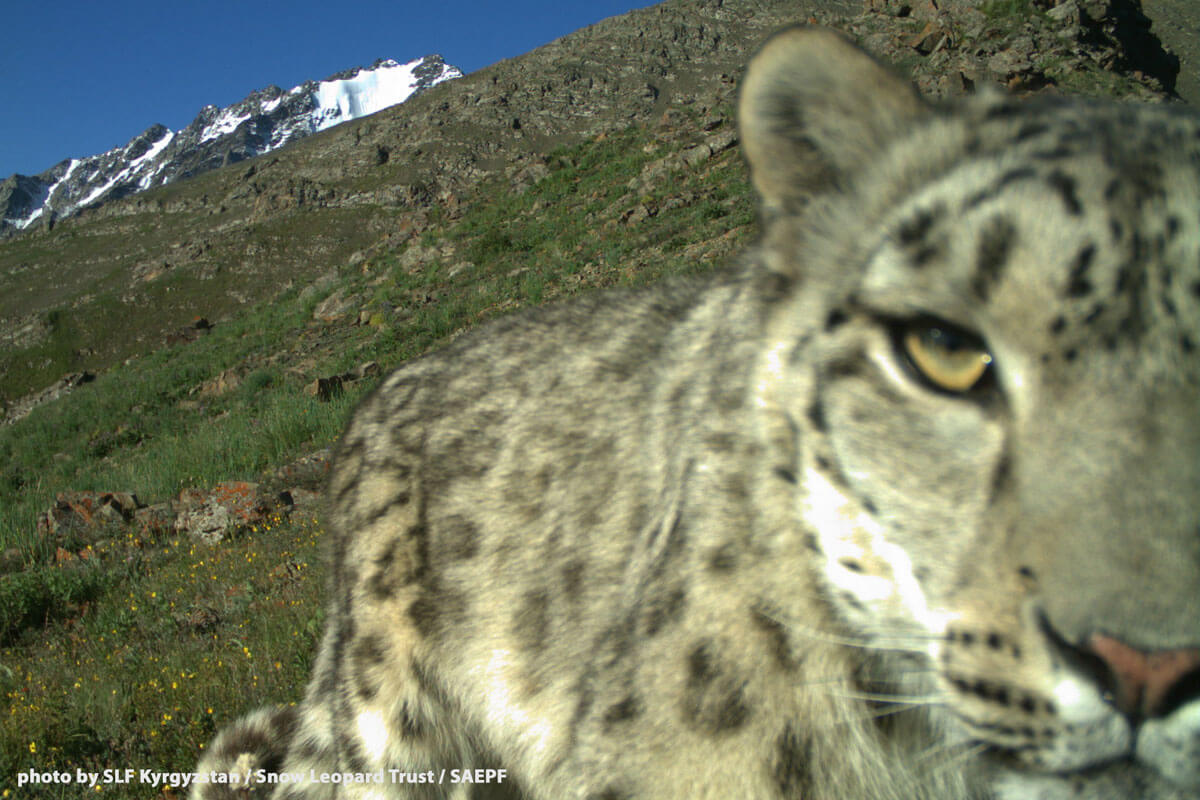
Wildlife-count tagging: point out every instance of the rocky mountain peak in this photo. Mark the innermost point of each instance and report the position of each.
(264, 120)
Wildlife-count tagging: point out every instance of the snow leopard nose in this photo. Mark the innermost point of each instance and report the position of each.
(1145, 684)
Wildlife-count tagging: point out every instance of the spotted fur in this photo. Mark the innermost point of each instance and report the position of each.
(735, 538)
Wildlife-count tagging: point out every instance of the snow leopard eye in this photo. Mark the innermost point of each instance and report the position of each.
(947, 357)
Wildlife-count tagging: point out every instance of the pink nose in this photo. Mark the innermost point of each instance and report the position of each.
(1148, 684)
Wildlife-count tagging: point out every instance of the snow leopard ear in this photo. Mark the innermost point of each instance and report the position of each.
(813, 109)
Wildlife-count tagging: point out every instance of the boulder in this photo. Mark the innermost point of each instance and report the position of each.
(226, 509)
(78, 511)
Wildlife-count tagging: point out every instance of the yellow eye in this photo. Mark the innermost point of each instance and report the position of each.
(951, 360)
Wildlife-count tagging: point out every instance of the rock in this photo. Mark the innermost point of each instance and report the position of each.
(416, 256)
(209, 523)
(308, 472)
(325, 389)
(60, 388)
(224, 382)
(694, 156)
(656, 172)
(190, 498)
(959, 44)
(228, 508)
(320, 284)
(529, 175)
(78, 511)
(151, 270)
(298, 498)
(156, 521)
(331, 386)
(1009, 62)
(459, 267)
(933, 37)
(1065, 13)
(368, 369)
(640, 212)
(199, 327)
(334, 307)
(125, 502)
(720, 142)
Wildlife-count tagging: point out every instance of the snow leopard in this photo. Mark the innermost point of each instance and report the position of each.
(905, 503)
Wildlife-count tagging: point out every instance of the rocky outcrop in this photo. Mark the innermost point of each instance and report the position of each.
(331, 386)
(1103, 47)
(79, 520)
(73, 512)
(209, 516)
(63, 386)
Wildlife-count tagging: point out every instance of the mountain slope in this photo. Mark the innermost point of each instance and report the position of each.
(111, 282)
(264, 121)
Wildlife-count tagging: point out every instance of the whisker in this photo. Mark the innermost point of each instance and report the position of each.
(966, 751)
(895, 678)
(875, 697)
(883, 640)
(961, 758)
(880, 713)
(870, 715)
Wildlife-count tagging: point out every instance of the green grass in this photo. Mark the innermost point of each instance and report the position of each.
(101, 691)
(1014, 10)
(105, 316)
(86, 678)
(137, 428)
(34, 596)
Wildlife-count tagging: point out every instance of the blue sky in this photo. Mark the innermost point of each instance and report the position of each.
(82, 76)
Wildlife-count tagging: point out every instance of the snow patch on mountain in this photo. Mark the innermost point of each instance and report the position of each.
(370, 90)
(135, 169)
(226, 123)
